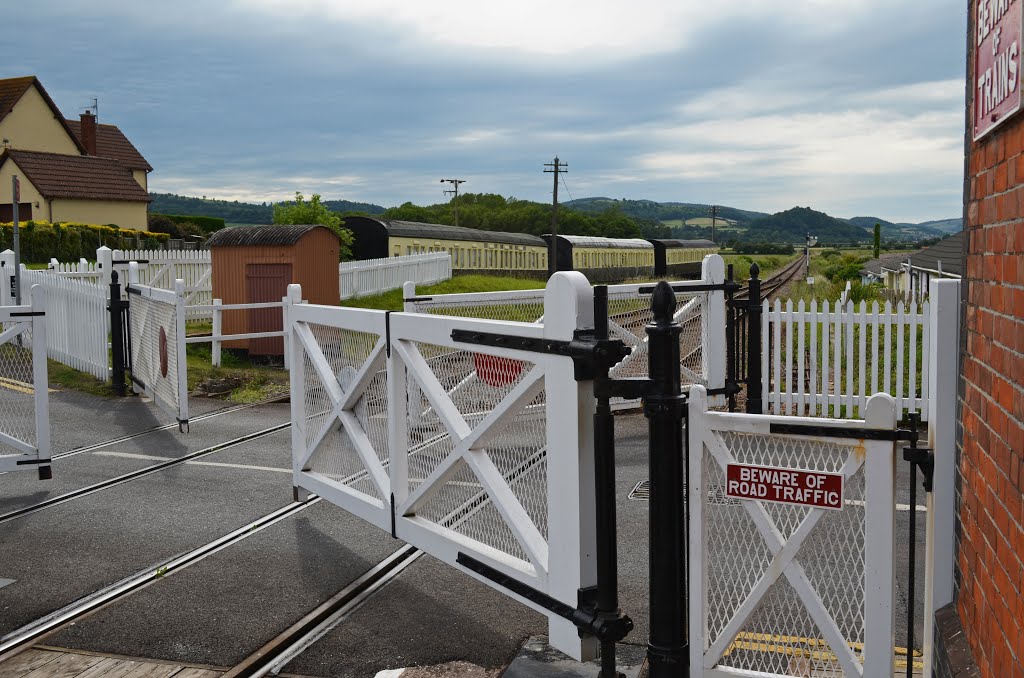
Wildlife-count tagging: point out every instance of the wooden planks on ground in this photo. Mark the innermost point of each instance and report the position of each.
(52, 663)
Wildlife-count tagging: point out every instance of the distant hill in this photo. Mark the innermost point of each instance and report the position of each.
(235, 212)
(662, 211)
(945, 225)
(901, 231)
(793, 225)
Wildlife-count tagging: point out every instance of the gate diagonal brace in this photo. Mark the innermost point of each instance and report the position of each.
(584, 616)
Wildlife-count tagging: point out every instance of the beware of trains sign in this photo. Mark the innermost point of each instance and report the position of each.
(785, 485)
(997, 47)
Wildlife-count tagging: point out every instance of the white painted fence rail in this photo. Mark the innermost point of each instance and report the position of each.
(217, 337)
(373, 276)
(828, 360)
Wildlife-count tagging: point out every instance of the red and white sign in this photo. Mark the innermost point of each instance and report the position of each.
(495, 370)
(785, 485)
(997, 48)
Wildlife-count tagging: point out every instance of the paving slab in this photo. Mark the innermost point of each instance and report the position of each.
(430, 614)
(58, 555)
(21, 489)
(227, 606)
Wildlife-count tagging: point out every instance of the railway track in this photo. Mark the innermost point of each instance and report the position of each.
(773, 284)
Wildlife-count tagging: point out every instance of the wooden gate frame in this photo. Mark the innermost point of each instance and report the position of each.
(559, 566)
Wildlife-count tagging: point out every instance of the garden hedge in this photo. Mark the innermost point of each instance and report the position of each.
(41, 240)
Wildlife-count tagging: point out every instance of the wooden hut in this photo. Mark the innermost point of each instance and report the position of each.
(253, 264)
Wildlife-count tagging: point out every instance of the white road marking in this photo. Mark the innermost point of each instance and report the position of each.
(6, 582)
(899, 507)
(132, 455)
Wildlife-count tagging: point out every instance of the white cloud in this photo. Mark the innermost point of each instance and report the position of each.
(604, 30)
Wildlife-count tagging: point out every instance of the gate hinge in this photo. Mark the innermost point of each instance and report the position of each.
(922, 457)
(630, 388)
(612, 626)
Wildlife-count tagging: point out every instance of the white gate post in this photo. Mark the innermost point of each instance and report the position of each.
(6, 275)
(408, 292)
(105, 262)
(40, 383)
(697, 582)
(179, 313)
(218, 328)
(943, 347)
(569, 306)
(879, 538)
(713, 353)
(297, 384)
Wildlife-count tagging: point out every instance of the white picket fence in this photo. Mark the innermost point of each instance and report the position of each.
(828, 360)
(77, 321)
(373, 276)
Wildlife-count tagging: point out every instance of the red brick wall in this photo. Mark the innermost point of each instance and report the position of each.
(990, 573)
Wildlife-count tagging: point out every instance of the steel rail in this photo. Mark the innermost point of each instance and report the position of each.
(133, 475)
(21, 639)
(165, 427)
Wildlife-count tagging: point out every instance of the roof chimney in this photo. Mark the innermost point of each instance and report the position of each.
(89, 132)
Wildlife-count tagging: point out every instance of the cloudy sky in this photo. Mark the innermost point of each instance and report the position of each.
(854, 107)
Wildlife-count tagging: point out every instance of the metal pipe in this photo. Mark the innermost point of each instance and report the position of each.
(606, 519)
(667, 652)
(754, 341)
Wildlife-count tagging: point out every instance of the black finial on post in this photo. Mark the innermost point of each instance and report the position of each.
(663, 303)
(754, 270)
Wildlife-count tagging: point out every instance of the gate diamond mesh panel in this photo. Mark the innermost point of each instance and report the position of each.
(347, 353)
(780, 635)
(155, 346)
(17, 400)
(476, 383)
(628, 314)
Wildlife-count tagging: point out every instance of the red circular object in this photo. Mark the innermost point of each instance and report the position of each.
(163, 352)
(495, 370)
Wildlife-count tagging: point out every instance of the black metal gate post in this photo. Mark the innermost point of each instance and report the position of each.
(732, 351)
(117, 308)
(607, 598)
(754, 341)
(664, 406)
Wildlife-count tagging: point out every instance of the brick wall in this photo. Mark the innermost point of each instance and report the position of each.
(990, 539)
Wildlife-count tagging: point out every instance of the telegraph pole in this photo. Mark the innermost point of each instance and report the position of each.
(557, 167)
(714, 214)
(454, 192)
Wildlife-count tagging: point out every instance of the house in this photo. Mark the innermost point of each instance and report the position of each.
(86, 189)
(881, 270)
(910, 277)
(70, 170)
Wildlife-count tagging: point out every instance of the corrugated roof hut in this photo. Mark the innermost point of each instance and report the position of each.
(253, 264)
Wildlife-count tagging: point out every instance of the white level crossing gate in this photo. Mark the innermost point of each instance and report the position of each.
(24, 399)
(480, 456)
(781, 589)
(157, 340)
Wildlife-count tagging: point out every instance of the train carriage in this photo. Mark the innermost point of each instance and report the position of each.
(471, 250)
(681, 258)
(604, 259)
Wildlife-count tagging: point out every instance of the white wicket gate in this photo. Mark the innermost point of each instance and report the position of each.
(157, 339)
(783, 589)
(447, 444)
(24, 397)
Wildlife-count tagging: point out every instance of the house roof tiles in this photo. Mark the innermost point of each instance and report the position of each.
(79, 177)
(112, 143)
(949, 251)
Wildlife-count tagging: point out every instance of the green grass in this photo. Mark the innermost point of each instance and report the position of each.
(460, 284)
(62, 377)
(768, 263)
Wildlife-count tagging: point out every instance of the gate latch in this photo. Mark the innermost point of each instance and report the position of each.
(922, 457)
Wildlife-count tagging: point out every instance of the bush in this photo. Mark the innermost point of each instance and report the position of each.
(41, 240)
(203, 225)
(161, 223)
(762, 248)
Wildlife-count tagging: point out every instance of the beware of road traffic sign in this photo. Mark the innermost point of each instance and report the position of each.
(785, 485)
